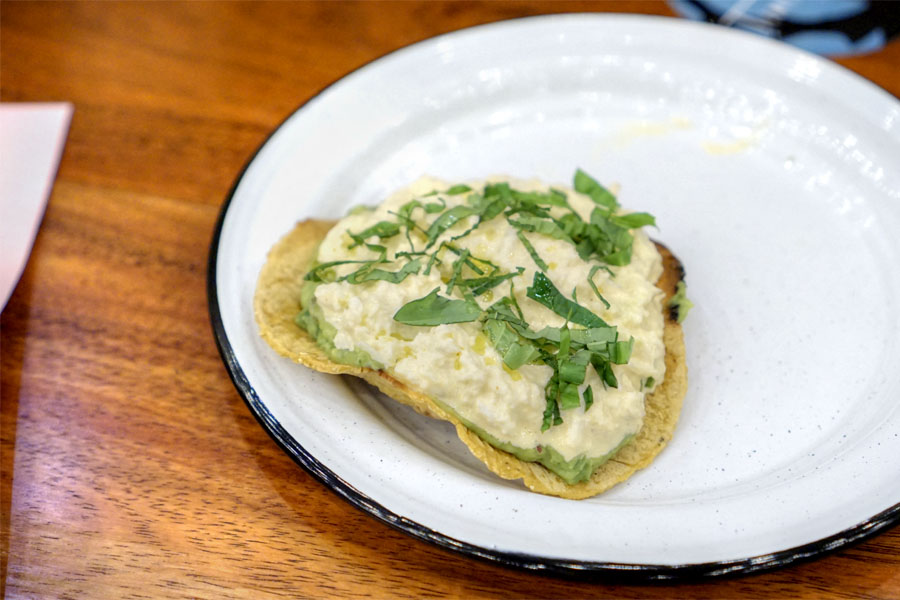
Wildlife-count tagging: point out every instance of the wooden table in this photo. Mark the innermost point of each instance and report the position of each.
(131, 467)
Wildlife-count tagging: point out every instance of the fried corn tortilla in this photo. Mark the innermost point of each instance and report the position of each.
(277, 302)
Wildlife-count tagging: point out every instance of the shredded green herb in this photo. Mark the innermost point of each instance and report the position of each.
(458, 189)
(531, 251)
(448, 220)
(509, 345)
(588, 397)
(434, 309)
(589, 186)
(410, 268)
(584, 341)
(593, 285)
(382, 229)
(481, 285)
(543, 291)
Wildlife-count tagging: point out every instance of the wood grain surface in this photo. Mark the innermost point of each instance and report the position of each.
(131, 468)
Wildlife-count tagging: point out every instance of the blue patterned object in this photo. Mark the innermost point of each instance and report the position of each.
(828, 27)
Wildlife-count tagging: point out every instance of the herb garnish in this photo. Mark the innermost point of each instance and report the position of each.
(534, 255)
(585, 340)
(543, 291)
(382, 229)
(434, 310)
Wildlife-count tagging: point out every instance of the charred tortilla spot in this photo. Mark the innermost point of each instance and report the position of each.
(674, 313)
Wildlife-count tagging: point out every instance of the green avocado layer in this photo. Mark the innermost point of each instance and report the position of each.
(571, 471)
(313, 322)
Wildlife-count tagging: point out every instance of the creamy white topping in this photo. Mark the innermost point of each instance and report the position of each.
(458, 366)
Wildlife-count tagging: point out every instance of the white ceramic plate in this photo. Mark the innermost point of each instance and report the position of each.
(774, 177)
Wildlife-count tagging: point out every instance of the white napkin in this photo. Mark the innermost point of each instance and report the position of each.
(32, 136)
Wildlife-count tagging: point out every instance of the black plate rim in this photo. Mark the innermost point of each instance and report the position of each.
(598, 571)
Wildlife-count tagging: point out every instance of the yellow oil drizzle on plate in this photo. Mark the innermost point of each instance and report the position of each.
(643, 129)
(735, 146)
(718, 148)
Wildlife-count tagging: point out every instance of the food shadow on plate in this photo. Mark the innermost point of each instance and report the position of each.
(432, 436)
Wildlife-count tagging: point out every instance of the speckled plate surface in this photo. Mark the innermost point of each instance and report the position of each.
(773, 175)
